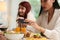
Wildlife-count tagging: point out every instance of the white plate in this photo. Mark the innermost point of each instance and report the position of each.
(14, 36)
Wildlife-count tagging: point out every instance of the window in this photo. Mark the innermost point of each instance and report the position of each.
(4, 13)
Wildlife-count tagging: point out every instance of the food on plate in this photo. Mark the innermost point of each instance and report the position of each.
(34, 35)
(37, 35)
(28, 34)
(30, 38)
(43, 38)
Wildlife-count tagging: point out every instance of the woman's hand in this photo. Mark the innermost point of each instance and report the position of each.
(2, 37)
(31, 23)
(19, 19)
(1, 33)
(35, 25)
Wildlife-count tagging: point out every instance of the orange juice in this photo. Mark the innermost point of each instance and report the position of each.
(22, 29)
(17, 29)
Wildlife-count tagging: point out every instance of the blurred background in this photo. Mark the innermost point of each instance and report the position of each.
(9, 8)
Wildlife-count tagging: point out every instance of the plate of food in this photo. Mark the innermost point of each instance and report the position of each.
(43, 38)
(35, 36)
(13, 36)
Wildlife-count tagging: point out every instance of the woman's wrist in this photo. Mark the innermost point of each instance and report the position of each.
(39, 28)
(42, 29)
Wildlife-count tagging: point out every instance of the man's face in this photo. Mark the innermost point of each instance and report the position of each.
(22, 10)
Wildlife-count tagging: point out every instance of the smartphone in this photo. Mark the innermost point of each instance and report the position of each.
(22, 21)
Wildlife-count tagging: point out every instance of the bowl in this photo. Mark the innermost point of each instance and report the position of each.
(14, 36)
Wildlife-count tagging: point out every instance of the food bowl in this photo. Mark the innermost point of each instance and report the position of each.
(14, 36)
